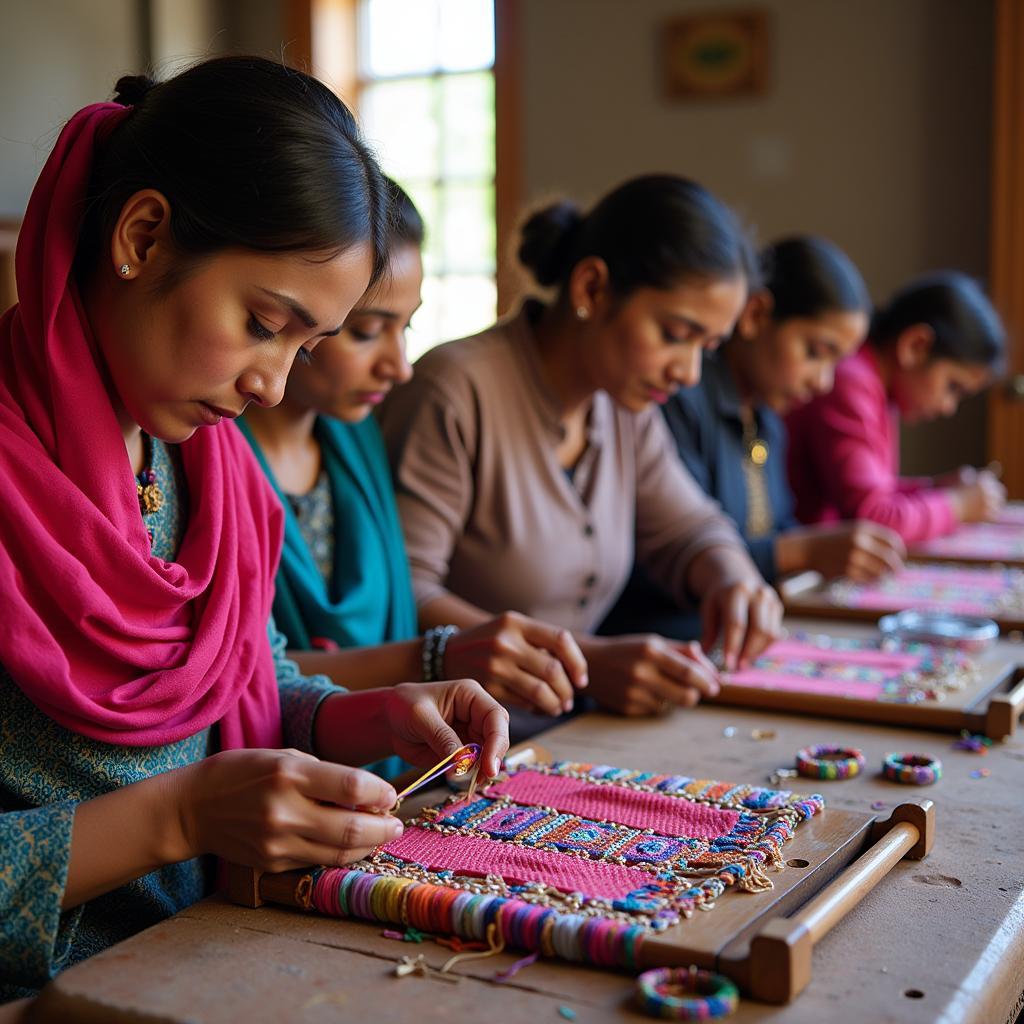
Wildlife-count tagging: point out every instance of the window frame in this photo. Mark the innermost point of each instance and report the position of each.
(324, 34)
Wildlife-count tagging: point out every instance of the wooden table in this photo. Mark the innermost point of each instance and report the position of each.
(938, 940)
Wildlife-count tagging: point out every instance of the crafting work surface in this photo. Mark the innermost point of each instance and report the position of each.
(854, 673)
(977, 542)
(865, 669)
(991, 592)
(938, 940)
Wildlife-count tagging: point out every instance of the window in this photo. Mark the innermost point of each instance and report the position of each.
(426, 100)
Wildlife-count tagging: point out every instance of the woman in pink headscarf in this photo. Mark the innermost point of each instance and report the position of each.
(183, 246)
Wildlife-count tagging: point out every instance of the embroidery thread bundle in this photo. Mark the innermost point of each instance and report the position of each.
(829, 762)
(912, 769)
(572, 860)
(678, 993)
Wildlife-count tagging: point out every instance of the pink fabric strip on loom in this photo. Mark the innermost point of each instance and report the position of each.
(474, 856)
(972, 579)
(668, 815)
(765, 679)
(793, 650)
(883, 601)
(978, 540)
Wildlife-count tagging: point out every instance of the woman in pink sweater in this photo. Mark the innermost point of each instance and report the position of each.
(936, 342)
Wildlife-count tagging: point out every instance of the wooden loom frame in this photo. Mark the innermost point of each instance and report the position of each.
(763, 941)
(992, 707)
(805, 595)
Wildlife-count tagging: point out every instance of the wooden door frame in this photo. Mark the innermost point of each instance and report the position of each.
(1006, 411)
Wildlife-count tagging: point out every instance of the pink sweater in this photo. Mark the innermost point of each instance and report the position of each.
(844, 459)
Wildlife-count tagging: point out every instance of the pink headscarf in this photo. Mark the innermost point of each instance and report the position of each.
(100, 635)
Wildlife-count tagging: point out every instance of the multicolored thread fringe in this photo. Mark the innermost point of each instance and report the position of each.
(585, 888)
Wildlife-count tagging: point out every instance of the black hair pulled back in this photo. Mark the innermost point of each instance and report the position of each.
(249, 154)
(653, 231)
(967, 328)
(809, 276)
(405, 225)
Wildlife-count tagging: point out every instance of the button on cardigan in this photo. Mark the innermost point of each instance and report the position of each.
(490, 515)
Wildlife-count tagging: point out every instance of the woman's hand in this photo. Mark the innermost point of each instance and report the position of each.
(281, 809)
(861, 550)
(979, 501)
(746, 613)
(645, 675)
(429, 721)
(520, 661)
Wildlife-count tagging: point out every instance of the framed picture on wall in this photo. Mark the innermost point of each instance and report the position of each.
(717, 54)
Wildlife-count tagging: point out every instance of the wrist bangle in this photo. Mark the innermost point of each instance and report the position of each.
(829, 762)
(680, 993)
(435, 640)
(912, 769)
(445, 633)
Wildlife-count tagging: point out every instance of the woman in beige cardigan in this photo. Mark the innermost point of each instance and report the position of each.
(532, 464)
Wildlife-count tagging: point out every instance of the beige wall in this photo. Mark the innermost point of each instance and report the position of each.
(55, 57)
(874, 131)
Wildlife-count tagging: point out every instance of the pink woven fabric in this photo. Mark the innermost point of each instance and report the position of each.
(934, 588)
(665, 814)
(978, 541)
(440, 852)
(800, 650)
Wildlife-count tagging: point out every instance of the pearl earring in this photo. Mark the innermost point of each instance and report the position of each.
(582, 312)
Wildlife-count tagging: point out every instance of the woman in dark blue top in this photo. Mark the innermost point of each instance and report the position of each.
(811, 312)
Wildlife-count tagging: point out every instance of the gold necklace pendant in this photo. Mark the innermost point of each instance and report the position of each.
(151, 498)
(757, 451)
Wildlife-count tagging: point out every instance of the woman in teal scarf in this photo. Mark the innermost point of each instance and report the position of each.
(344, 598)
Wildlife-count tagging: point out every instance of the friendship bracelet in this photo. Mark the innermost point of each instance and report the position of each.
(435, 640)
(912, 769)
(680, 993)
(829, 762)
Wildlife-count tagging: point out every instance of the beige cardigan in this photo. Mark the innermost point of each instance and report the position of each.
(490, 515)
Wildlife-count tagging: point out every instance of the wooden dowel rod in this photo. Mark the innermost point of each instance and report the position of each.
(830, 906)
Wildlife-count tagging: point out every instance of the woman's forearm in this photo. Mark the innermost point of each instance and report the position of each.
(351, 728)
(124, 834)
(447, 609)
(714, 564)
(365, 668)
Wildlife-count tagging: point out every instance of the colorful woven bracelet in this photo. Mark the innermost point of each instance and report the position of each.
(828, 762)
(680, 993)
(912, 769)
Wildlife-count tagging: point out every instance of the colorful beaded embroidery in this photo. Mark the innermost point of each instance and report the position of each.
(961, 591)
(580, 861)
(912, 769)
(883, 670)
(828, 762)
(679, 993)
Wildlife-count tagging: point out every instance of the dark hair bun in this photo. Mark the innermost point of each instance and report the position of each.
(547, 240)
(131, 90)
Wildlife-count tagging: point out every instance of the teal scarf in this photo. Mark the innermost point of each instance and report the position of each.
(368, 600)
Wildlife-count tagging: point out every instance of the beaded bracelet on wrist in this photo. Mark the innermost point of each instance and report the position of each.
(678, 993)
(435, 641)
(829, 762)
(912, 769)
(447, 632)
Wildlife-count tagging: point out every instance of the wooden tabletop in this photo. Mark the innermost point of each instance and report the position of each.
(938, 940)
